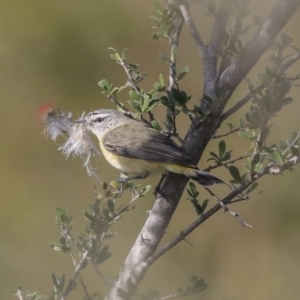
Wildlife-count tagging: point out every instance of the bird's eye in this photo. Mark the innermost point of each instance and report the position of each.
(99, 120)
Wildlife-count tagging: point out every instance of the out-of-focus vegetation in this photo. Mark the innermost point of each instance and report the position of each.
(58, 49)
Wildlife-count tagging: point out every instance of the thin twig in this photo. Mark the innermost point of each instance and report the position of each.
(130, 79)
(84, 287)
(125, 208)
(231, 41)
(169, 296)
(217, 35)
(101, 276)
(76, 273)
(173, 37)
(236, 215)
(260, 141)
(115, 101)
(271, 168)
(290, 62)
(65, 232)
(240, 103)
(192, 28)
(226, 163)
(292, 143)
(19, 293)
(230, 132)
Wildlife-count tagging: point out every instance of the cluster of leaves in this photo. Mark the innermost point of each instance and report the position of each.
(269, 97)
(273, 97)
(192, 197)
(143, 102)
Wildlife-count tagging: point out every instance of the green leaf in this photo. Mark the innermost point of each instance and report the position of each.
(122, 88)
(89, 217)
(213, 154)
(145, 103)
(287, 101)
(103, 255)
(199, 111)
(277, 156)
(164, 59)
(222, 149)
(187, 111)
(226, 156)
(208, 99)
(161, 80)
(235, 173)
(111, 205)
(174, 54)
(134, 104)
(112, 49)
(115, 184)
(165, 101)
(230, 125)
(183, 72)
(56, 247)
(192, 188)
(256, 159)
(266, 150)
(245, 135)
(204, 205)
(134, 95)
(145, 190)
(252, 187)
(264, 78)
(115, 57)
(156, 125)
(104, 84)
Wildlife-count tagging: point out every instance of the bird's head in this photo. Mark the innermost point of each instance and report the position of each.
(102, 120)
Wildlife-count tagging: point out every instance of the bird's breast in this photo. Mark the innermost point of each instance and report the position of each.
(133, 166)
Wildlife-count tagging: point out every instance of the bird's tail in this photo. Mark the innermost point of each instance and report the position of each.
(203, 177)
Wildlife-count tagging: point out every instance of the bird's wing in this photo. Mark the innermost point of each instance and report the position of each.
(139, 141)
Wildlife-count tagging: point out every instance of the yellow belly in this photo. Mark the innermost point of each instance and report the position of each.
(133, 166)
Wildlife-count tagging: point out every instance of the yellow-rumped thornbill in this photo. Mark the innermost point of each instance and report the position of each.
(138, 150)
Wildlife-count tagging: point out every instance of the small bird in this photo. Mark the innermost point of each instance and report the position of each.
(138, 150)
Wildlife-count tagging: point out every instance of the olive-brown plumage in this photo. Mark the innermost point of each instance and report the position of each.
(139, 150)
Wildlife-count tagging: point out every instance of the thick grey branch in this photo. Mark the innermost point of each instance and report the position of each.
(217, 36)
(191, 27)
(259, 43)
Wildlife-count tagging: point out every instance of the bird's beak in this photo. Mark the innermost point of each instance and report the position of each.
(82, 121)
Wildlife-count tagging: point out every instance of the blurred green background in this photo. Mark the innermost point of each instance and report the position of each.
(58, 49)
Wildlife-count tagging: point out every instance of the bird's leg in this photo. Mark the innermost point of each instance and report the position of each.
(125, 178)
(157, 188)
(129, 178)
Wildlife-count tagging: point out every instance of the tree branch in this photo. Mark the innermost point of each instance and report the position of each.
(272, 168)
(239, 104)
(221, 20)
(191, 27)
(196, 140)
(259, 43)
(226, 163)
(230, 132)
(79, 266)
(225, 207)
